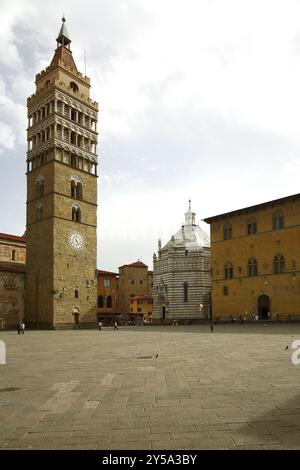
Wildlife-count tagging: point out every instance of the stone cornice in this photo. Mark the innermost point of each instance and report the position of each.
(59, 143)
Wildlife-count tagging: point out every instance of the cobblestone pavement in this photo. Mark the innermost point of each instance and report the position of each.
(235, 388)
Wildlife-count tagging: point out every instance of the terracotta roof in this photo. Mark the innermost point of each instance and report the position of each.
(253, 208)
(107, 273)
(137, 264)
(8, 236)
(12, 267)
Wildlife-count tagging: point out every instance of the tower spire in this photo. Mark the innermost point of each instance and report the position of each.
(190, 215)
(63, 38)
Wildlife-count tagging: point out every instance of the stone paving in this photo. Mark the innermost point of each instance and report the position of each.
(235, 388)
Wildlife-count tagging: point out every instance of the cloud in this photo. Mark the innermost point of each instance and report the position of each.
(7, 137)
(197, 99)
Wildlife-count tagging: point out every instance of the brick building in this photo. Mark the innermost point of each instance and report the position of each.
(134, 280)
(255, 260)
(107, 308)
(12, 279)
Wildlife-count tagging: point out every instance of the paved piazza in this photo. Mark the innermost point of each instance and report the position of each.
(235, 388)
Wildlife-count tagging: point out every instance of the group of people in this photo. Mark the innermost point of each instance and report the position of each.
(21, 328)
(100, 324)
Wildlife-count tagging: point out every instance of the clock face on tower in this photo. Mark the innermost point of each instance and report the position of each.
(76, 240)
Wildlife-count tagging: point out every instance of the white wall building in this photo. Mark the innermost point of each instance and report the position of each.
(181, 275)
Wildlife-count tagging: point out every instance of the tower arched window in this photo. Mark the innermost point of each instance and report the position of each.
(76, 188)
(279, 264)
(278, 221)
(73, 138)
(185, 292)
(100, 301)
(76, 294)
(228, 270)
(227, 232)
(252, 267)
(109, 302)
(76, 213)
(74, 87)
(73, 189)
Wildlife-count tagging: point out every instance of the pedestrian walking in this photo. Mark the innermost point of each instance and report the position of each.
(116, 326)
(19, 328)
(100, 325)
(22, 328)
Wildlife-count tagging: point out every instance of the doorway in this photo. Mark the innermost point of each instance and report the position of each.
(163, 312)
(76, 315)
(263, 307)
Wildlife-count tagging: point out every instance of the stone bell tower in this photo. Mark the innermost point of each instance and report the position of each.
(61, 281)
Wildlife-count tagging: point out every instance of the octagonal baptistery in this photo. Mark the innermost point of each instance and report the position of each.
(181, 275)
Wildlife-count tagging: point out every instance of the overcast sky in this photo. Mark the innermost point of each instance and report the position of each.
(198, 99)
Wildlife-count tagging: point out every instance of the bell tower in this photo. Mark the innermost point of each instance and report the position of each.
(61, 280)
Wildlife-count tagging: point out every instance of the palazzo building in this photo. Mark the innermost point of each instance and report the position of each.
(61, 284)
(181, 275)
(108, 305)
(134, 280)
(12, 279)
(255, 260)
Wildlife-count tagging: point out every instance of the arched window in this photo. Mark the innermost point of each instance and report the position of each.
(252, 267)
(73, 139)
(185, 292)
(109, 302)
(76, 188)
(279, 264)
(73, 160)
(76, 213)
(228, 270)
(76, 294)
(100, 301)
(227, 232)
(73, 189)
(73, 115)
(74, 87)
(278, 221)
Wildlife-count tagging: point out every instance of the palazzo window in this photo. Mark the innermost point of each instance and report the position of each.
(109, 302)
(228, 270)
(100, 301)
(251, 228)
(227, 232)
(252, 267)
(278, 221)
(279, 264)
